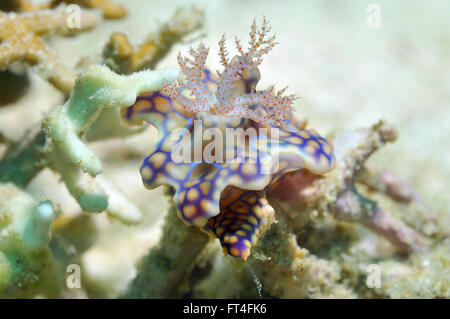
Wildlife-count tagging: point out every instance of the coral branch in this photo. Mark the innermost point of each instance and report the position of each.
(20, 162)
(20, 41)
(24, 237)
(96, 88)
(388, 183)
(110, 9)
(120, 55)
(350, 205)
(82, 186)
(308, 192)
(164, 271)
(66, 124)
(23, 160)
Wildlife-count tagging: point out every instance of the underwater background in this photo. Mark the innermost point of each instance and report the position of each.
(347, 76)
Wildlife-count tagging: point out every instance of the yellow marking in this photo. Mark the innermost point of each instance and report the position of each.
(235, 179)
(189, 211)
(323, 161)
(245, 254)
(175, 171)
(234, 251)
(235, 165)
(314, 144)
(168, 145)
(192, 194)
(209, 176)
(295, 140)
(207, 206)
(247, 227)
(161, 104)
(257, 210)
(158, 159)
(189, 184)
(146, 173)
(253, 220)
(141, 105)
(284, 133)
(181, 198)
(233, 240)
(251, 200)
(200, 221)
(249, 169)
(304, 134)
(241, 233)
(205, 187)
(219, 231)
(247, 243)
(326, 148)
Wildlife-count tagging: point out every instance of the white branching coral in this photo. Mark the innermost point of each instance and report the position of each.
(266, 107)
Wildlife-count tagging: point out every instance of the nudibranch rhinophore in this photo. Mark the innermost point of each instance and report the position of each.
(225, 198)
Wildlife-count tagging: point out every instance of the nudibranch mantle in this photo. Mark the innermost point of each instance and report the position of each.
(226, 199)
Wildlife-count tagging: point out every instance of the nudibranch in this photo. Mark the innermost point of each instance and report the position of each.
(225, 198)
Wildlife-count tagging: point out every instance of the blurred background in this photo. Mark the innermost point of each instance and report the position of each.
(346, 74)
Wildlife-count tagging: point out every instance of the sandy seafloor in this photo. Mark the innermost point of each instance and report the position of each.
(346, 75)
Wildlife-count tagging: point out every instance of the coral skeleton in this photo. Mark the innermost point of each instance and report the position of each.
(23, 160)
(120, 55)
(20, 40)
